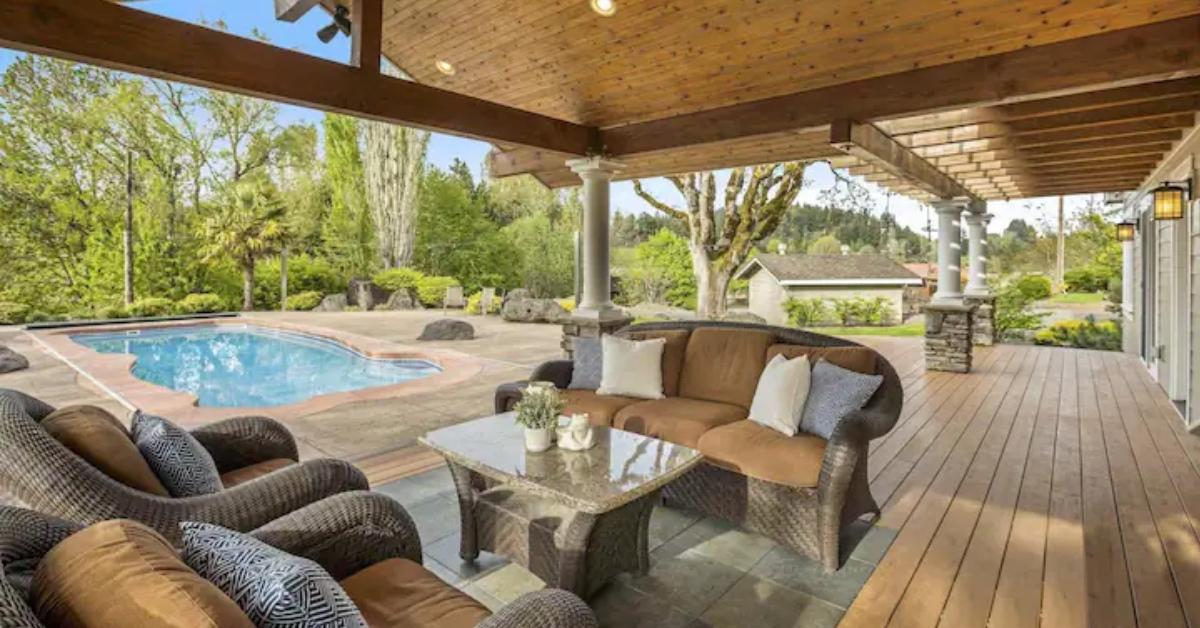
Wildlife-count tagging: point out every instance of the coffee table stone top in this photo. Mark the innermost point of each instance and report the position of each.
(622, 467)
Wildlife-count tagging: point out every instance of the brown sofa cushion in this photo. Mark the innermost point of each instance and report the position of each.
(254, 471)
(399, 593)
(99, 438)
(672, 359)
(764, 453)
(723, 364)
(860, 359)
(119, 574)
(677, 419)
(600, 408)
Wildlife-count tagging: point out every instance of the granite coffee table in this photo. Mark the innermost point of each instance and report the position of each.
(574, 519)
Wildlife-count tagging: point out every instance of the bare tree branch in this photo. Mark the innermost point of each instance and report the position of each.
(657, 204)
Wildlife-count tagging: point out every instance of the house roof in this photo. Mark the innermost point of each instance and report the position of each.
(815, 270)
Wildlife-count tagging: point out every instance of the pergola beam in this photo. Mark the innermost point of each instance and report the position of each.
(292, 10)
(868, 143)
(1155, 52)
(113, 36)
(366, 35)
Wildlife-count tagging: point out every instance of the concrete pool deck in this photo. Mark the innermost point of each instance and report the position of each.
(356, 426)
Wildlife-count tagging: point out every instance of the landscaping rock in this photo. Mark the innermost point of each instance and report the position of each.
(520, 294)
(365, 294)
(403, 299)
(11, 360)
(332, 303)
(742, 316)
(530, 310)
(447, 329)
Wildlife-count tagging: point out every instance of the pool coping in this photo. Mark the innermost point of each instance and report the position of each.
(113, 374)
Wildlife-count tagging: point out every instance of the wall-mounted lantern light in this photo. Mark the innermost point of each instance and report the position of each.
(1171, 198)
(1126, 231)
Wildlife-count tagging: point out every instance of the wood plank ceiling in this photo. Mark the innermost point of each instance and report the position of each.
(655, 60)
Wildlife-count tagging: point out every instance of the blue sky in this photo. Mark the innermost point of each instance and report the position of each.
(243, 16)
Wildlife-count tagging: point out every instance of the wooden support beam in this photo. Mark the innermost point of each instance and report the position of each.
(292, 10)
(366, 35)
(868, 143)
(1155, 52)
(113, 36)
(505, 163)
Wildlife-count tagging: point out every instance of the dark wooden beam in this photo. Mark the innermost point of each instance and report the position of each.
(366, 35)
(292, 10)
(868, 143)
(505, 163)
(113, 36)
(1155, 52)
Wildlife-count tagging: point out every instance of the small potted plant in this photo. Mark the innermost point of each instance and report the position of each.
(537, 412)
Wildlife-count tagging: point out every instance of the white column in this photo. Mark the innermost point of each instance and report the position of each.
(977, 252)
(597, 174)
(1128, 280)
(949, 249)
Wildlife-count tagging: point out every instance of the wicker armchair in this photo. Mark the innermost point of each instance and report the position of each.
(807, 520)
(44, 475)
(344, 534)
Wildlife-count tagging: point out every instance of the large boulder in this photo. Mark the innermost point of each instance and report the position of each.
(742, 316)
(402, 299)
(530, 310)
(366, 294)
(520, 294)
(447, 329)
(332, 303)
(11, 360)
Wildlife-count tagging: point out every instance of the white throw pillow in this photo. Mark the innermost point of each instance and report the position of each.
(631, 368)
(781, 393)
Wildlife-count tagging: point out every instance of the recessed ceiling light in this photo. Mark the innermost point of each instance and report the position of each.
(604, 7)
(445, 67)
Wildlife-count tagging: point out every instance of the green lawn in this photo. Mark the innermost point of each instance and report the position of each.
(907, 329)
(1075, 298)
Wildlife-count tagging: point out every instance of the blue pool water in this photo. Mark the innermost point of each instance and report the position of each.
(247, 366)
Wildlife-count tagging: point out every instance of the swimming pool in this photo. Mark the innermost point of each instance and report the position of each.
(229, 366)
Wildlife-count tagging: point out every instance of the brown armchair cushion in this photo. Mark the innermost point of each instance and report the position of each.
(254, 471)
(99, 438)
(766, 454)
(600, 408)
(677, 419)
(119, 574)
(860, 359)
(723, 364)
(399, 593)
(672, 359)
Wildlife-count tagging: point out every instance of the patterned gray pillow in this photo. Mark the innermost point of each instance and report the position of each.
(833, 393)
(275, 589)
(589, 364)
(181, 463)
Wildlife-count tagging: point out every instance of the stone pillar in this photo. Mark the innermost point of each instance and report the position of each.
(983, 328)
(595, 314)
(948, 336)
(949, 288)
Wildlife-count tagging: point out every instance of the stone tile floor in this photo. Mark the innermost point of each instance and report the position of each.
(703, 571)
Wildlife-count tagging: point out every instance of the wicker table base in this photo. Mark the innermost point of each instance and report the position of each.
(566, 548)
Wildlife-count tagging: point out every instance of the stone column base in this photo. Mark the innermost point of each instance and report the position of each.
(591, 327)
(984, 318)
(948, 331)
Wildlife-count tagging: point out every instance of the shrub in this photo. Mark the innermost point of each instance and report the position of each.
(1084, 334)
(112, 311)
(151, 306)
(1083, 280)
(305, 274)
(474, 301)
(1034, 287)
(1012, 311)
(432, 290)
(806, 312)
(872, 310)
(843, 310)
(394, 279)
(567, 304)
(13, 313)
(304, 301)
(37, 316)
(203, 303)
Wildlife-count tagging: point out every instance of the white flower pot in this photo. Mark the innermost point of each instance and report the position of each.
(538, 440)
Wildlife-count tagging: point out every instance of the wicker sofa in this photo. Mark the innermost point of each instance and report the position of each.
(800, 491)
(257, 457)
(365, 540)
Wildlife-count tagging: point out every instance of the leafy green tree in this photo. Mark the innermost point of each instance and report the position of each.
(825, 245)
(547, 255)
(348, 234)
(666, 256)
(249, 227)
(455, 238)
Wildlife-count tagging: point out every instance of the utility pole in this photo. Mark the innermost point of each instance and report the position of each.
(1060, 265)
(128, 235)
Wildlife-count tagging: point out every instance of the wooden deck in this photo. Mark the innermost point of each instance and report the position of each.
(1049, 487)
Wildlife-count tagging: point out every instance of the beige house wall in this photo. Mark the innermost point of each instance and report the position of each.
(767, 296)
